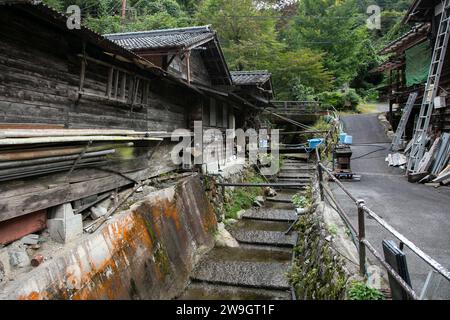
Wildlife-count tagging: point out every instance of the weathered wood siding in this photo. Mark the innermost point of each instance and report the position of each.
(39, 83)
(199, 72)
(39, 80)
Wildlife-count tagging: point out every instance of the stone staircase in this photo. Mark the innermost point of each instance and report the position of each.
(257, 269)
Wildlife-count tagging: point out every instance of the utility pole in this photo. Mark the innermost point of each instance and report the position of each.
(124, 8)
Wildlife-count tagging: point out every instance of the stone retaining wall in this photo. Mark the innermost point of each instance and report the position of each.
(147, 252)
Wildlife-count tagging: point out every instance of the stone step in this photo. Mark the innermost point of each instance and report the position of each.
(248, 253)
(298, 166)
(270, 214)
(280, 199)
(294, 175)
(262, 275)
(279, 205)
(263, 237)
(300, 182)
(251, 224)
(205, 291)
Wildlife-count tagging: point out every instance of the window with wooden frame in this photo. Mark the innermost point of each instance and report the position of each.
(120, 85)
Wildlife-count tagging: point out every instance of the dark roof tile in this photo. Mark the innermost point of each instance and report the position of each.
(257, 77)
(160, 39)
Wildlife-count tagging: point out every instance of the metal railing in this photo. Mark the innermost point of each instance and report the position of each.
(364, 243)
(299, 107)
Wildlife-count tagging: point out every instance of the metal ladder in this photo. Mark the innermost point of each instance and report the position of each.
(431, 89)
(395, 146)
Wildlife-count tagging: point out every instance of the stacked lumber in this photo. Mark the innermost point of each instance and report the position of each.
(28, 153)
(434, 166)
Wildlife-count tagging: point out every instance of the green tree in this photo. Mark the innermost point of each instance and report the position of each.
(250, 41)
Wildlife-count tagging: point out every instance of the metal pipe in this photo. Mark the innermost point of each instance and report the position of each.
(433, 263)
(410, 291)
(343, 215)
(35, 133)
(262, 185)
(6, 172)
(22, 141)
(339, 183)
(24, 163)
(426, 258)
(37, 153)
(48, 171)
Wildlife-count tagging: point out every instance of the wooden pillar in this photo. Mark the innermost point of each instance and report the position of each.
(188, 66)
(391, 113)
(391, 116)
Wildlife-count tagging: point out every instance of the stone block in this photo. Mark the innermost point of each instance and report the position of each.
(61, 211)
(65, 226)
(18, 256)
(5, 267)
(30, 239)
(100, 209)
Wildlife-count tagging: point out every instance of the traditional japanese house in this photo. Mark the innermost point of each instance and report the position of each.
(408, 64)
(194, 55)
(256, 86)
(80, 116)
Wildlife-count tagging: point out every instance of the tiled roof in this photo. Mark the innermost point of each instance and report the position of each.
(250, 77)
(161, 39)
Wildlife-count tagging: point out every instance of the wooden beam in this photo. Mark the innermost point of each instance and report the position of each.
(188, 64)
(110, 81)
(63, 193)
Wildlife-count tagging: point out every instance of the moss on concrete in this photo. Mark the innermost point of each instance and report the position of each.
(317, 272)
(162, 260)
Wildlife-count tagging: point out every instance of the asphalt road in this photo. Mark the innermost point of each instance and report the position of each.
(419, 212)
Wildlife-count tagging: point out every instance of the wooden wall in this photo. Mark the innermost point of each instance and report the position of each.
(39, 80)
(199, 72)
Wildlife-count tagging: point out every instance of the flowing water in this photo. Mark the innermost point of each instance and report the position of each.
(257, 269)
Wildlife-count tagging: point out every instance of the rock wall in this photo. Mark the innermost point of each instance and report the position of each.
(146, 252)
(320, 270)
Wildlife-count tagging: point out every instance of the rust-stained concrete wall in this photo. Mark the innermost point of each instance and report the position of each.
(147, 252)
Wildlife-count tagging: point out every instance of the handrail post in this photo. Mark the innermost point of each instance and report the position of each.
(319, 170)
(361, 237)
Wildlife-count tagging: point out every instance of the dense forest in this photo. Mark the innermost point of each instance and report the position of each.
(314, 48)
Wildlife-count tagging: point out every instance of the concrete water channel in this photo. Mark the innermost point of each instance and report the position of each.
(257, 269)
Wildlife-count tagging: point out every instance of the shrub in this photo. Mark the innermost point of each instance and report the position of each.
(300, 201)
(372, 95)
(360, 291)
(242, 198)
(341, 100)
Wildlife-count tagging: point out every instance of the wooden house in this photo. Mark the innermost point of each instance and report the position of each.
(408, 63)
(82, 116)
(232, 100)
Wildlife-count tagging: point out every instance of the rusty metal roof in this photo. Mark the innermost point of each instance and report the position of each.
(256, 77)
(389, 65)
(180, 38)
(417, 34)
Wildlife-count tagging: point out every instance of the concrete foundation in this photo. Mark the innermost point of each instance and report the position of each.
(146, 252)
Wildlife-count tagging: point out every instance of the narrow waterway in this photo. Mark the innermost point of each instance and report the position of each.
(257, 269)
